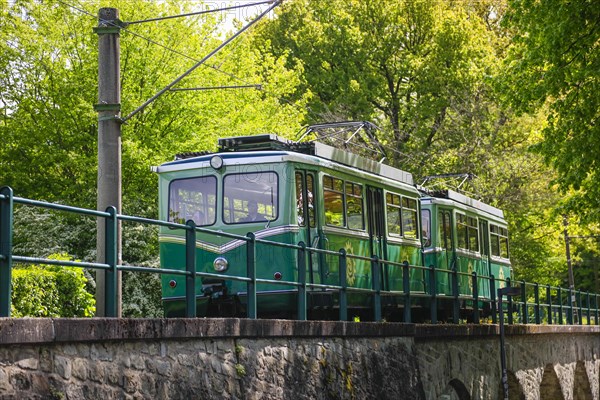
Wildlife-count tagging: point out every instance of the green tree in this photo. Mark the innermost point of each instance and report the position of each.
(48, 125)
(553, 62)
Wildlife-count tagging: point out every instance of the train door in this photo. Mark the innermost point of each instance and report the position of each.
(376, 228)
(445, 239)
(307, 219)
(484, 243)
(446, 255)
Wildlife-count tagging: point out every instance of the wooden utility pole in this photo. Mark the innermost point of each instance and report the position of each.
(109, 146)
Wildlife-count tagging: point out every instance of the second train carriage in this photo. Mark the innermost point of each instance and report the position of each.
(306, 192)
(464, 235)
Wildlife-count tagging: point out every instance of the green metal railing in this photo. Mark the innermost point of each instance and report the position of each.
(537, 304)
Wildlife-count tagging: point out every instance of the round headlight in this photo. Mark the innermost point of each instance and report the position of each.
(220, 264)
(216, 162)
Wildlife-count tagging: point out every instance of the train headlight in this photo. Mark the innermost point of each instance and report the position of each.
(220, 264)
(216, 162)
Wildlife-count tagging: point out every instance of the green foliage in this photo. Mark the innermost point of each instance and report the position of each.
(50, 291)
(554, 61)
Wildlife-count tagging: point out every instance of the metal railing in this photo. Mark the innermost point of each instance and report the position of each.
(537, 304)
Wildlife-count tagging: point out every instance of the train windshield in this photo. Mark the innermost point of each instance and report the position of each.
(193, 198)
(250, 197)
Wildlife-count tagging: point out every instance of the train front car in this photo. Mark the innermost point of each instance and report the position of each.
(227, 195)
(287, 193)
(464, 235)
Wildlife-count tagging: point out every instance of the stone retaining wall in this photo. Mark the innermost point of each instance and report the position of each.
(260, 359)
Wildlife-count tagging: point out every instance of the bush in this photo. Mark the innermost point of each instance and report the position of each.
(50, 291)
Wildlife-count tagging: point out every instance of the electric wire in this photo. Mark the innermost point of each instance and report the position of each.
(214, 67)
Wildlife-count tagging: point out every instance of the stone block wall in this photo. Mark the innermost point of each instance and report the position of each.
(259, 359)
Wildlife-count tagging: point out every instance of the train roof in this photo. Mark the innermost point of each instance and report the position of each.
(273, 144)
(448, 194)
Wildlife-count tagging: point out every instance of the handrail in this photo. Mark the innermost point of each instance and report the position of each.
(537, 304)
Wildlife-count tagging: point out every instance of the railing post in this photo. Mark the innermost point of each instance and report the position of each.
(6, 234)
(579, 307)
(251, 274)
(509, 302)
(493, 298)
(536, 293)
(190, 266)
(589, 310)
(570, 310)
(406, 289)
(455, 294)
(475, 298)
(376, 274)
(549, 301)
(301, 313)
(344, 284)
(524, 301)
(432, 294)
(560, 305)
(111, 258)
(596, 312)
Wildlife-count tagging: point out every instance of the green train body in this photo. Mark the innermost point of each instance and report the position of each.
(324, 197)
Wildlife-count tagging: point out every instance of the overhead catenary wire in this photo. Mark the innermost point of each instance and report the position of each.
(264, 88)
(209, 55)
(199, 12)
(124, 27)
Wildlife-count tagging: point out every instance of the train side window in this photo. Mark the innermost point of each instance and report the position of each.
(310, 185)
(426, 225)
(499, 241)
(193, 198)
(333, 194)
(445, 230)
(250, 197)
(462, 231)
(401, 215)
(299, 199)
(473, 234)
(467, 232)
(409, 217)
(394, 211)
(354, 206)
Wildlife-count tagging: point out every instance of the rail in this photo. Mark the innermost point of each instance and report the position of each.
(537, 304)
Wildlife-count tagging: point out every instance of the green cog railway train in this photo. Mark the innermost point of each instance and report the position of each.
(330, 199)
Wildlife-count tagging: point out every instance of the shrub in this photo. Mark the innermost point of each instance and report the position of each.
(50, 291)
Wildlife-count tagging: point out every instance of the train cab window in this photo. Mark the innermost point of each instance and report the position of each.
(467, 232)
(250, 197)
(499, 241)
(343, 203)
(401, 215)
(193, 198)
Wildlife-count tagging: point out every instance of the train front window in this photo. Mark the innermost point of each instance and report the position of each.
(250, 197)
(193, 198)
